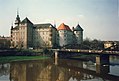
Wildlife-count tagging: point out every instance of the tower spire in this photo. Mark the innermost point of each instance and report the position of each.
(17, 11)
(17, 21)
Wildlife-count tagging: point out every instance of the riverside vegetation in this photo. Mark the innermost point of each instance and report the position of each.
(20, 55)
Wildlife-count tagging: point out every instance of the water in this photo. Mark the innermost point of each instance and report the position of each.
(59, 70)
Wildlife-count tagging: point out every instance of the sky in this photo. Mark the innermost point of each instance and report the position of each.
(98, 18)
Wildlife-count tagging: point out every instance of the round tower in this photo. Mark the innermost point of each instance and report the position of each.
(78, 31)
(64, 32)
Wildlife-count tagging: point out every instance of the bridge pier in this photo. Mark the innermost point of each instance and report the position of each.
(102, 63)
(56, 55)
(56, 61)
(102, 59)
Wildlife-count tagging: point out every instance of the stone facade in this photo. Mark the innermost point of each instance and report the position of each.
(4, 42)
(68, 37)
(26, 35)
(45, 35)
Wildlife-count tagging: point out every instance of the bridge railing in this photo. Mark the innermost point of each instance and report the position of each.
(87, 51)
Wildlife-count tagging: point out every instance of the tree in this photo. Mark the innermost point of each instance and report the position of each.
(86, 44)
(96, 44)
(92, 44)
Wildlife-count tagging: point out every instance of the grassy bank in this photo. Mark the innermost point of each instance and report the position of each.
(20, 58)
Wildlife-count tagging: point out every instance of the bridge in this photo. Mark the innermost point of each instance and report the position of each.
(64, 53)
(101, 57)
(88, 51)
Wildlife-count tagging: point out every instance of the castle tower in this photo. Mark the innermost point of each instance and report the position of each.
(26, 33)
(17, 21)
(65, 35)
(78, 31)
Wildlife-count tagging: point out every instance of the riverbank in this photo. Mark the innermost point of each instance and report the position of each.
(23, 52)
(7, 59)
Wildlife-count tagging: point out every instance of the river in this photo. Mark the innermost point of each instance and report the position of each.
(59, 70)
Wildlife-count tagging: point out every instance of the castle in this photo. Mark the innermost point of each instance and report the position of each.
(27, 35)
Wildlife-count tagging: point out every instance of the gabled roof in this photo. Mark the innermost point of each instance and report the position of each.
(26, 20)
(43, 25)
(78, 28)
(63, 27)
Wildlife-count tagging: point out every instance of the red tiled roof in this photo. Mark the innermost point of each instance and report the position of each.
(63, 27)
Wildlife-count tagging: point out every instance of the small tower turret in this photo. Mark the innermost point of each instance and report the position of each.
(17, 21)
(78, 31)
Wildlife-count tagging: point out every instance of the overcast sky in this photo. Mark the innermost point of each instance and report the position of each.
(98, 18)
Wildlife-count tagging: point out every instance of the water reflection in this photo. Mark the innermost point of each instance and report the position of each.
(41, 71)
(4, 69)
(4, 72)
(55, 70)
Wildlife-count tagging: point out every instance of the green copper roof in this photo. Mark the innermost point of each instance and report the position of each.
(78, 28)
(46, 25)
(26, 20)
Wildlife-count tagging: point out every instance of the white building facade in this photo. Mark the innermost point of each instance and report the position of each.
(68, 36)
(26, 35)
(65, 35)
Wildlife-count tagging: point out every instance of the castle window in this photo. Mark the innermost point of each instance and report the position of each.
(65, 35)
(50, 34)
(43, 33)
